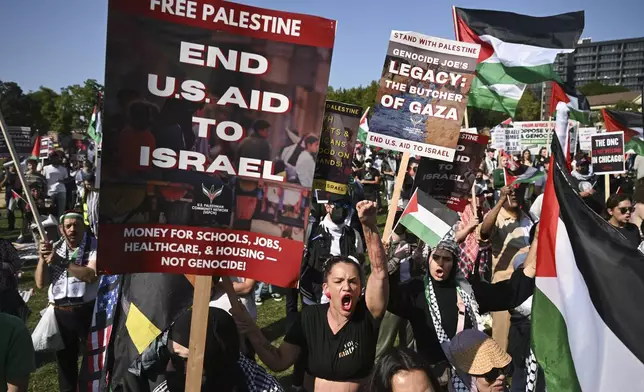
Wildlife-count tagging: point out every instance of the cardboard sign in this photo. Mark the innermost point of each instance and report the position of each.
(21, 137)
(339, 132)
(584, 138)
(607, 154)
(205, 112)
(422, 95)
(451, 183)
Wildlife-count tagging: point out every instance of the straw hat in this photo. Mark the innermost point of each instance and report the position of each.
(473, 352)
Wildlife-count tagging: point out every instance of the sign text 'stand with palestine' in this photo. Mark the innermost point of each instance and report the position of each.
(422, 95)
(198, 168)
(607, 154)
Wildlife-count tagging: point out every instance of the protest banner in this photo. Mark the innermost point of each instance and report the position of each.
(337, 141)
(584, 138)
(422, 95)
(607, 153)
(451, 183)
(21, 137)
(198, 169)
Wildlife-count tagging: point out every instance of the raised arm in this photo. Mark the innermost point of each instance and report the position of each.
(377, 293)
(275, 358)
(487, 226)
(45, 257)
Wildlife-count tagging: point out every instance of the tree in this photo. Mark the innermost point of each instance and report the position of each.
(15, 106)
(529, 107)
(363, 96)
(627, 106)
(43, 109)
(597, 88)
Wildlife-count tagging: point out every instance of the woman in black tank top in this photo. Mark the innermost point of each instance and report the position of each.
(338, 338)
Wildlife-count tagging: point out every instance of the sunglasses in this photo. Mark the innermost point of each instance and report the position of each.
(624, 210)
(495, 373)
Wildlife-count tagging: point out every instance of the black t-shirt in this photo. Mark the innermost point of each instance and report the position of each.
(369, 175)
(631, 233)
(408, 301)
(347, 355)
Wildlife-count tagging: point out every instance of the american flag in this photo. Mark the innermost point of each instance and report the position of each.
(93, 374)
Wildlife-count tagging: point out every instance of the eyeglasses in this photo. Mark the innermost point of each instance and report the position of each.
(495, 373)
(624, 210)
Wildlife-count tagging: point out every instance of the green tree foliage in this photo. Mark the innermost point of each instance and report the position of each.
(627, 106)
(363, 96)
(46, 110)
(529, 107)
(597, 88)
(15, 106)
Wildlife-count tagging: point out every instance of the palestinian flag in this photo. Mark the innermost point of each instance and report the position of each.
(575, 100)
(427, 218)
(149, 304)
(586, 323)
(94, 131)
(515, 50)
(523, 175)
(507, 122)
(363, 129)
(629, 122)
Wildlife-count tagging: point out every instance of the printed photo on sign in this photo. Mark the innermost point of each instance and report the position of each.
(451, 183)
(211, 125)
(422, 95)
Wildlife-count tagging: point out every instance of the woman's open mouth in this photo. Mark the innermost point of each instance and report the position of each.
(346, 302)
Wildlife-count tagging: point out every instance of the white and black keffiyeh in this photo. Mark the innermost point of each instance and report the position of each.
(460, 382)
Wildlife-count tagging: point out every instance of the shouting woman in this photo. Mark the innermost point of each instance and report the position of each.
(338, 338)
(443, 303)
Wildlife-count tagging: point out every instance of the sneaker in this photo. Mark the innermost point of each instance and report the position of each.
(258, 301)
(276, 297)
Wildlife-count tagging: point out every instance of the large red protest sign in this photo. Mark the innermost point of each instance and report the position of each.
(203, 104)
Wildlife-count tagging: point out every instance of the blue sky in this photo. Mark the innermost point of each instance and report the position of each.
(62, 42)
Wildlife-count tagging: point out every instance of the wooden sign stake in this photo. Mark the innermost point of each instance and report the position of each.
(198, 329)
(393, 205)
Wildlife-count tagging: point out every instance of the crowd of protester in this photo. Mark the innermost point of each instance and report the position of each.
(413, 318)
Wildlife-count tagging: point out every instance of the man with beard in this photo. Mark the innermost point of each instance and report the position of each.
(506, 228)
(68, 267)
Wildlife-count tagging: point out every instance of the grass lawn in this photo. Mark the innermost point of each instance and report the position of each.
(271, 317)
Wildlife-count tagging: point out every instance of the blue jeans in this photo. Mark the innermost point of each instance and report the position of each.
(263, 288)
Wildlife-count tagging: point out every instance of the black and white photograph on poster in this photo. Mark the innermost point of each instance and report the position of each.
(607, 154)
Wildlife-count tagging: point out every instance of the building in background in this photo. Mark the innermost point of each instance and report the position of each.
(613, 63)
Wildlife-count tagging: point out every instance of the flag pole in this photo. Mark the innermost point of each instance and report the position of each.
(458, 38)
(23, 182)
(365, 113)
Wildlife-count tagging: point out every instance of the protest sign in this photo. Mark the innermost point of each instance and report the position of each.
(607, 153)
(497, 135)
(339, 131)
(573, 134)
(512, 140)
(451, 183)
(204, 109)
(422, 95)
(21, 137)
(584, 138)
(46, 144)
